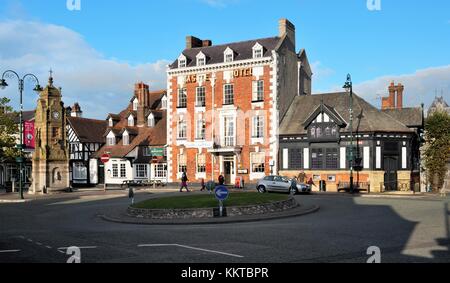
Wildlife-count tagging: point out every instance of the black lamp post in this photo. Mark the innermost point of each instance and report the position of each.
(349, 88)
(11, 74)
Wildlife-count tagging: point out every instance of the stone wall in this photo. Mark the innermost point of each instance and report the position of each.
(165, 214)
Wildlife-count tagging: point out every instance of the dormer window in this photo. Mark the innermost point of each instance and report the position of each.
(201, 59)
(135, 104)
(111, 122)
(258, 51)
(126, 138)
(111, 139)
(131, 120)
(151, 120)
(228, 55)
(164, 102)
(182, 61)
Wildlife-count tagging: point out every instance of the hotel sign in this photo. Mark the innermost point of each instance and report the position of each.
(241, 73)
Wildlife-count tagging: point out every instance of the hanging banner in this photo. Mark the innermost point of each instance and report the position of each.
(28, 135)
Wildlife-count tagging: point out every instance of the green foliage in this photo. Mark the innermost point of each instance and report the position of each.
(437, 150)
(8, 130)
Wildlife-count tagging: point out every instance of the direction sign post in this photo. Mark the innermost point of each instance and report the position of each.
(105, 159)
(222, 195)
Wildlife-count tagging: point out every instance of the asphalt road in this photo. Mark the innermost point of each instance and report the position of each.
(342, 231)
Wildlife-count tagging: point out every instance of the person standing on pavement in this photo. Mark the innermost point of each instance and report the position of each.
(301, 177)
(184, 181)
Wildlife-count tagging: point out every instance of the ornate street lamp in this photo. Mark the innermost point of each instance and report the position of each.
(349, 88)
(10, 75)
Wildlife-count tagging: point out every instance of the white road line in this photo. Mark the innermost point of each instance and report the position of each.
(9, 251)
(190, 248)
(29, 240)
(48, 247)
(39, 244)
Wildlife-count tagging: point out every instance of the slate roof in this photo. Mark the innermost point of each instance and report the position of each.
(88, 130)
(411, 117)
(242, 51)
(371, 118)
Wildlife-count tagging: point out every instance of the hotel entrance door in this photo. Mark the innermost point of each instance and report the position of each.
(229, 171)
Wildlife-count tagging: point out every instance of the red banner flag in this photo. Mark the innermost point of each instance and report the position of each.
(28, 135)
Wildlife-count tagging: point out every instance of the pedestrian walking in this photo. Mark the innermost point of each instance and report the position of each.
(221, 180)
(311, 182)
(203, 185)
(131, 194)
(184, 182)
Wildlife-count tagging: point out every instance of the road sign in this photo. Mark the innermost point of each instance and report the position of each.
(158, 152)
(222, 193)
(105, 158)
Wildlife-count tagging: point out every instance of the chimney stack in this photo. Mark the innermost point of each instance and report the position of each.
(76, 111)
(400, 90)
(193, 42)
(395, 99)
(287, 28)
(142, 93)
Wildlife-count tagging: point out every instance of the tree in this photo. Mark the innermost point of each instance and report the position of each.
(9, 131)
(437, 149)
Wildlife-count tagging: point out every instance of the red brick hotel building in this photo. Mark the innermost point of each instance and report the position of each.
(225, 104)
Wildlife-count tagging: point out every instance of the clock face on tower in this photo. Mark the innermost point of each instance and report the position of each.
(55, 115)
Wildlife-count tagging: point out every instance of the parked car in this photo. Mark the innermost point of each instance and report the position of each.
(281, 184)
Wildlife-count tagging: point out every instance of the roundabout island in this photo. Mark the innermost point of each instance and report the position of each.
(203, 208)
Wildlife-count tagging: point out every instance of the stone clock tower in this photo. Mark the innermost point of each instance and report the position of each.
(51, 156)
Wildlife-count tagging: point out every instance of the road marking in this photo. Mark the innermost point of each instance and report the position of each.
(39, 244)
(9, 251)
(48, 247)
(190, 248)
(29, 240)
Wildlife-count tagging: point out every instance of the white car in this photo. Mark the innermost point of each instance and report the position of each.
(281, 184)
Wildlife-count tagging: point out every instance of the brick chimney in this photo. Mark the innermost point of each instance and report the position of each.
(400, 90)
(287, 28)
(76, 111)
(193, 42)
(207, 43)
(142, 93)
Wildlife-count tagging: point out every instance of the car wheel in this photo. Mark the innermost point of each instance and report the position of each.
(293, 191)
(262, 189)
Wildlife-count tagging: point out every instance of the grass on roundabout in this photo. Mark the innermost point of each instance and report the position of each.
(209, 201)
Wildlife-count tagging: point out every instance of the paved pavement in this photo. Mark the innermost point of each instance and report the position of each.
(406, 230)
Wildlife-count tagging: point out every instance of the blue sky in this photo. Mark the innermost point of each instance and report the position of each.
(97, 53)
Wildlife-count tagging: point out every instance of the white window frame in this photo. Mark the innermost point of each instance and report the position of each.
(111, 139)
(251, 162)
(135, 104)
(126, 138)
(111, 122)
(225, 94)
(200, 133)
(123, 170)
(182, 92)
(228, 52)
(151, 120)
(201, 59)
(141, 168)
(79, 171)
(229, 131)
(160, 171)
(115, 171)
(197, 92)
(258, 51)
(180, 165)
(182, 61)
(131, 120)
(198, 165)
(182, 129)
(258, 91)
(258, 127)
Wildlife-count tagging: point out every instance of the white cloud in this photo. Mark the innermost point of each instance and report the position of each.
(420, 86)
(99, 84)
